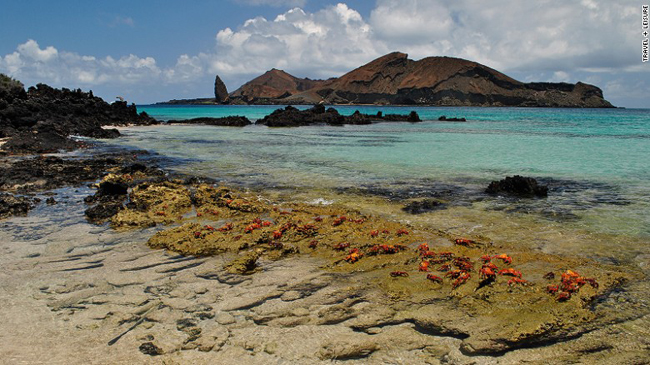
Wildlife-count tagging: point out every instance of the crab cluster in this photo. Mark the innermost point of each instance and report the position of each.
(571, 282)
(459, 268)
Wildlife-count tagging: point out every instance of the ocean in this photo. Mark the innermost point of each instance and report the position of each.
(594, 161)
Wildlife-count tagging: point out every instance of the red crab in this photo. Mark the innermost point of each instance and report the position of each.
(401, 232)
(424, 266)
(354, 256)
(506, 259)
(462, 279)
(510, 272)
(399, 273)
(434, 278)
(464, 242)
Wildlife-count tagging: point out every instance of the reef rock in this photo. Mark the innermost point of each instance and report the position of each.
(518, 185)
(292, 117)
(14, 205)
(230, 121)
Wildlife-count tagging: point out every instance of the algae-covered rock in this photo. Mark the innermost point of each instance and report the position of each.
(245, 264)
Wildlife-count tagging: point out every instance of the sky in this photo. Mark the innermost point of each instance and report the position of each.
(148, 51)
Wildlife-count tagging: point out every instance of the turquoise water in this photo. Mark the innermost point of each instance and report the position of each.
(596, 161)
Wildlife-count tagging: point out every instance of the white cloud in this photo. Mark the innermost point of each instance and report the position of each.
(320, 44)
(32, 63)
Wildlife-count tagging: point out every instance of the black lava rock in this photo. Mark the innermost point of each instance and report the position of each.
(423, 206)
(444, 118)
(14, 205)
(148, 348)
(292, 117)
(517, 185)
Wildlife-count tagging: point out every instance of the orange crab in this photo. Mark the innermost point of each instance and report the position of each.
(444, 268)
(226, 227)
(423, 247)
(354, 256)
(251, 227)
(427, 254)
(464, 242)
(277, 235)
(490, 265)
(506, 259)
(399, 273)
(486, 258)
(341, 246)
(569, 275)
(197, 234)
(487, 273)
(462, 279)
(374, 233)
(552, 289)
(435, 279)
(510, 272)
(401, 232)
(266, 224)
(209, 228)
(424, 266)
(313, 244)
(338, 221)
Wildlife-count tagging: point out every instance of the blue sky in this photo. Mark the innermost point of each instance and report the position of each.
(150, 51)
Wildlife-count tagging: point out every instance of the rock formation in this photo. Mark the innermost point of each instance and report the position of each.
(41, 119)
(220, 91)
(292, 117)
(518, 185)
(395, 79)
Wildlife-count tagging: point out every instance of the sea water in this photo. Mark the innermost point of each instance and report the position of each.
(595, 161)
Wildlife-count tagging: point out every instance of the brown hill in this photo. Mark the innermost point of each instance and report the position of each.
(395, 79)
(273, 84)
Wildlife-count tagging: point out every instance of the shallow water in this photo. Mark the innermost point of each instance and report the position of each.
(595, 161)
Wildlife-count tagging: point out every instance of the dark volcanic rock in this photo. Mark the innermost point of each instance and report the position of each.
(43, 138)
(42, 119)
(44, 173)
(292, 117)
(220, 91)
(103, 210)
(230, 121)
(445, 119)
(14, 205)
(517, 185)
(423, 206)
(148, 348)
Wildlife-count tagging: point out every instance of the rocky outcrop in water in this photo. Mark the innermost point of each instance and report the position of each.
(230, 121)
(220, 91)
(42, 118)
(518, 185)
(318, 114)
(14, 205)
